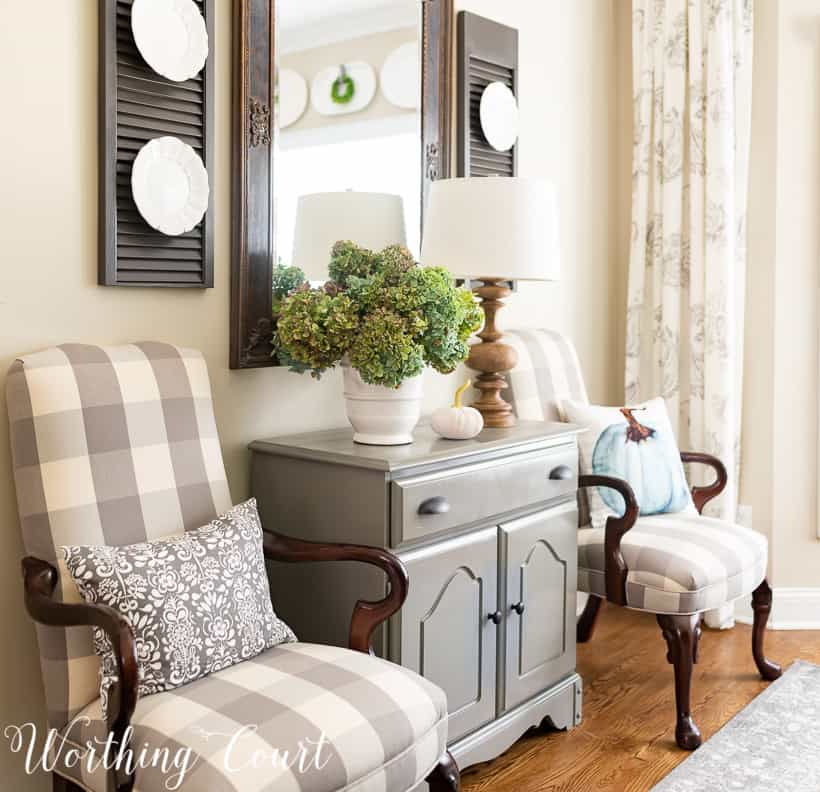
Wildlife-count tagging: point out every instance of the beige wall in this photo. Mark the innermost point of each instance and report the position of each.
(781, 403)
(48, 247)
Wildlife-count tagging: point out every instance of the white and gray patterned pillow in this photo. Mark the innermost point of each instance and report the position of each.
(197, 602)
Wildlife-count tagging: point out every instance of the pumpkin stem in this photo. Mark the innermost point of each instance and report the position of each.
(459, 392)
(636, 432)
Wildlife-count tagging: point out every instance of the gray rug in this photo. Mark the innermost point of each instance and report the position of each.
(772, 745)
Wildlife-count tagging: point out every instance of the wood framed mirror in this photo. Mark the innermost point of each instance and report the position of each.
(385, 146)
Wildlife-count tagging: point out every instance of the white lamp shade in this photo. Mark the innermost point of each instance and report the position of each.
(371, 220)
(496, 228)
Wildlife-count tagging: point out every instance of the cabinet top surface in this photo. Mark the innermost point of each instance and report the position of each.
(337, 446)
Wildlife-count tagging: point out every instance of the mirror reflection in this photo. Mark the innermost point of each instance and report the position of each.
(348, 164)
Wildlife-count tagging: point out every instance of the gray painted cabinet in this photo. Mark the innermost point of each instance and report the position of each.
(488, 531)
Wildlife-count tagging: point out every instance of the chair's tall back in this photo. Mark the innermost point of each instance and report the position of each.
(110, 445)
(547, 372)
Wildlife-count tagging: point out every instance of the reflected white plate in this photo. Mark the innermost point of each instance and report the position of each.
(401, 77)
(171, 36)
(293, 97)
(170, 185)
(499, 116)
(364, 80)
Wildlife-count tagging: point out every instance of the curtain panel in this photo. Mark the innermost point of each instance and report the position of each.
(692, 77)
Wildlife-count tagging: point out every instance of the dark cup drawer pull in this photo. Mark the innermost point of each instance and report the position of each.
(437, 505)
(561, 473)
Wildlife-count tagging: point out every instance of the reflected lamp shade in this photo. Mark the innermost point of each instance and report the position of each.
(371, 220)
(493, 228)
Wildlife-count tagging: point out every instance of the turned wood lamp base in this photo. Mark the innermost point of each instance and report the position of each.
(492, 357)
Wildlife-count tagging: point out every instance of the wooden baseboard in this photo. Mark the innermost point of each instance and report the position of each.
(792, 609)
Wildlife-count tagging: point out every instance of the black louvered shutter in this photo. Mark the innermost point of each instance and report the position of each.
(138, 105)
(487, 53)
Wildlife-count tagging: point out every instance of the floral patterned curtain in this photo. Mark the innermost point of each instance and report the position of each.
(692, 72)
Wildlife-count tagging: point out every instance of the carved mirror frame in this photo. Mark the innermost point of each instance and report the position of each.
(253, 160)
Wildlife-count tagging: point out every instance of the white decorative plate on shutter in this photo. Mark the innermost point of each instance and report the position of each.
(170, 185)
(499, 116)
(171, 37)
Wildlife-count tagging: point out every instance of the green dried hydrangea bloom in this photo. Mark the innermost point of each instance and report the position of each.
(315, 330)
(348, 260)
(384, 351)
(393, 262)
(285, 280)
(390, 316)
(450, 314)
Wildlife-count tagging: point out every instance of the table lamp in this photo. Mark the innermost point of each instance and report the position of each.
(492, 230)
(371, 220)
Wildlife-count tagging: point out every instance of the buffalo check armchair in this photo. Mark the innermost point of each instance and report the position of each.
(673, 565)
(116, 445)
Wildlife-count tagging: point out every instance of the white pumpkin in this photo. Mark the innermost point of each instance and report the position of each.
(458, 422)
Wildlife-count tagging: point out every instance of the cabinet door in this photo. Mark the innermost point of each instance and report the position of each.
(540, 554)
(447, 634)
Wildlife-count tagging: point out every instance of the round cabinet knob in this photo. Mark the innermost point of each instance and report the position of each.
(437, 505)
(495, 618)
(561, 473)
(519, 608)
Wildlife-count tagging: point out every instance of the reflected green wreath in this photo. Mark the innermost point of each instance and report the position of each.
(343, 89)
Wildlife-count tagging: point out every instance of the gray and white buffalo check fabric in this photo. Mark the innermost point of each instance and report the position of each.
(110, 445)
(547, 373)
(678, 563)
(383, 727)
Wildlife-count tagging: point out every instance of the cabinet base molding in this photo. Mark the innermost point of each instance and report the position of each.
(561, 704)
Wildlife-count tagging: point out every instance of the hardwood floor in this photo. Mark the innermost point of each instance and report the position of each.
(626, 741)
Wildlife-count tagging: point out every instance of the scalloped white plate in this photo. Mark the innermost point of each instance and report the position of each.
(171, 36)
(401, 76)
(170, 185)
(499, 116)
(364, 79)
(293, 97)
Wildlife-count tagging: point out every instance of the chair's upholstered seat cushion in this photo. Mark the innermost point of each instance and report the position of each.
(678, 563)
(384, 727)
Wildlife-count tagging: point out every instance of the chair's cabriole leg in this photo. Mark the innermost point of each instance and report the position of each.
(445, 776)
(762, 606)
(587, 620)
(682, 634)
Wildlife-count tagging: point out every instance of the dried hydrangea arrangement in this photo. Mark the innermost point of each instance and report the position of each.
(390, 317)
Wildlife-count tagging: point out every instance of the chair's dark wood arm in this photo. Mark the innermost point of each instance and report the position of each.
(39, 581)
(615, 569)
(367, 615)
(702, 495)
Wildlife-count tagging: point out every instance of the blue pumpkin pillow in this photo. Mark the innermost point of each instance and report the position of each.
(636, 444)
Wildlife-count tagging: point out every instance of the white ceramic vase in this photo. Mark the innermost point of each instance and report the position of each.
(380, 415)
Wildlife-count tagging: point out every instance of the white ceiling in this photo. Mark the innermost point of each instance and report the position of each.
(306, 13)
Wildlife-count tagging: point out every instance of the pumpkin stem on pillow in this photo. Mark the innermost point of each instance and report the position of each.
(460, 393)
(636, 432)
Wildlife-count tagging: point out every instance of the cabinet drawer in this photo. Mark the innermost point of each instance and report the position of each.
(425, 505)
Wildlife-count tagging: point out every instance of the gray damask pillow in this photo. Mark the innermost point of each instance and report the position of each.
(197, 602)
